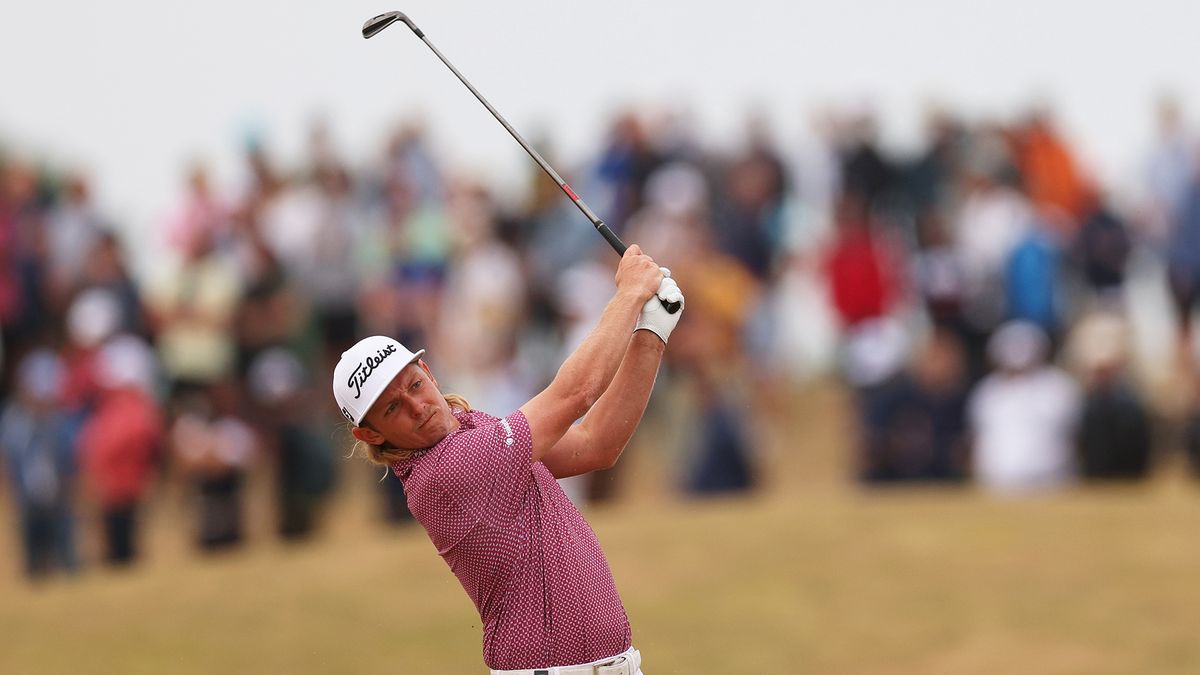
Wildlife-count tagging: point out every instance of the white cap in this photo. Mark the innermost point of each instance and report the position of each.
(365, 371)
(1018, 345)
(875, 350)
(93, 317)
(127, 361)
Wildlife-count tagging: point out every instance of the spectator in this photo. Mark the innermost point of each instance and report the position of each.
(94, 316)
(26, 310)
(1052, 178)
(193, 311)
(992, 220)
(677, 207)
(332, 275)
(1023, 416)
(1183, 270)
(938, 274)
(1114, 436)
(872, 365)
(121, 441)
(37, 451)
(106, 269)
(864, 270)
(410, 160)
(303, 454)
(867, 176)
(722, 296)
(749, 221)
(918, 424)
(1033, 281)
(622, 169)
(202, 213)
(931, 178)
(486, 285)
(1103, 248)
(271, 311)
(817, 174)
(415, 241)
(74, 226)
(1169, 171)
(214, 448)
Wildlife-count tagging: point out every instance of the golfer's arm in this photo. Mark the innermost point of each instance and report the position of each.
(597, 442)
(584, 376)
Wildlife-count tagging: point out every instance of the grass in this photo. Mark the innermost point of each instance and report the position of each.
(810, 575)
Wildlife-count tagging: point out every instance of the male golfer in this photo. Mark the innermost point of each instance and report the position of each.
(484, 487)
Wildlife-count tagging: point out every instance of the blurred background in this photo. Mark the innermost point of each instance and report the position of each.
(934, 405)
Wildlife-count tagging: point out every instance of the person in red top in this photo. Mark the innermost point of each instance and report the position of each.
(864, 273)
(120, 440)
(484, 487)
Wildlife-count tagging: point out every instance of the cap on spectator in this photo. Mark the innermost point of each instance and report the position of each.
(126, 361)
(365, 371)
(40, 375)
(875, 350)
(1018, 345)
(93, 317)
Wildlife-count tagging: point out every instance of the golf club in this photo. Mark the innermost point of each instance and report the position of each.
(377, 23)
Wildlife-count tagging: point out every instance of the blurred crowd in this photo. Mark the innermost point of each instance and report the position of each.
(980, 297)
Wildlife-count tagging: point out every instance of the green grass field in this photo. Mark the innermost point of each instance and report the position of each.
(811, 575)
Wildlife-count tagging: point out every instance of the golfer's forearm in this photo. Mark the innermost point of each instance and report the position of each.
(590, 368)
(611, 422)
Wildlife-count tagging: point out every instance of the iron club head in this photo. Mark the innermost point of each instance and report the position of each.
(377, 23)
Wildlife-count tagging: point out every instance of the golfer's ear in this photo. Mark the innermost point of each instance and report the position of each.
(367, 435)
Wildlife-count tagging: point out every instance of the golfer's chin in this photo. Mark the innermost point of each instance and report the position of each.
(434, 429)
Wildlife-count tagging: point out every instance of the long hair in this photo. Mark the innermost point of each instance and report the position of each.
(386, 455)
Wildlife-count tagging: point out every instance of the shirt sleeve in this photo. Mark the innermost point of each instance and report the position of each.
(484, 474)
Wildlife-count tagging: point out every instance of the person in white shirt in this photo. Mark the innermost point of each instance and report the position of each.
(1022, 416)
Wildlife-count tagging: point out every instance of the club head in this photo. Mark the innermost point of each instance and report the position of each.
(377, 23)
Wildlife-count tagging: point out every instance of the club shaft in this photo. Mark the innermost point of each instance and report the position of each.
(603, 229)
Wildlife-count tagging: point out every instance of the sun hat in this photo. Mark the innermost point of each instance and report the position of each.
(365, 371)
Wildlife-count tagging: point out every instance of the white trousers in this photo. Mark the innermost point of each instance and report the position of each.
(631, 659)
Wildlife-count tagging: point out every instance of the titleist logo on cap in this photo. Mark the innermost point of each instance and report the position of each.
(360, 375)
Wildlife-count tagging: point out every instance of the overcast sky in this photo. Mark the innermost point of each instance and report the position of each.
(129, 90)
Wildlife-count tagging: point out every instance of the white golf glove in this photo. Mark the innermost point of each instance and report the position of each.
(654, 316)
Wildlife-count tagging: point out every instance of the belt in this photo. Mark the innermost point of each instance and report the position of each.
(625, 663)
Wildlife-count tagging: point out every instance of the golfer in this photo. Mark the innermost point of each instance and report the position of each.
(484, 487)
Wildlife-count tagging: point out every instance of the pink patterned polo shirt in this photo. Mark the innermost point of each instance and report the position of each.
(520, 548)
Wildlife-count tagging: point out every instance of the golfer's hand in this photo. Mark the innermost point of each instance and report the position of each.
(654, 316)
(637, 275)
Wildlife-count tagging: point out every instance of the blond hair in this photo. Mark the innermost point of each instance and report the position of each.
(386, 455)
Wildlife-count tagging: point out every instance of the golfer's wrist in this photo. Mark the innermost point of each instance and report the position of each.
(646, 338)
(628, 297)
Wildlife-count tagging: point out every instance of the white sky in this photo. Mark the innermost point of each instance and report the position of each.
(130, 89)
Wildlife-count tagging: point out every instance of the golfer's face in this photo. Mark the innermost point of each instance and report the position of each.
(411, 412)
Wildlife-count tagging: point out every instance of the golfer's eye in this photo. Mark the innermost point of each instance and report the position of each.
(415, 385)
(390, 409)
